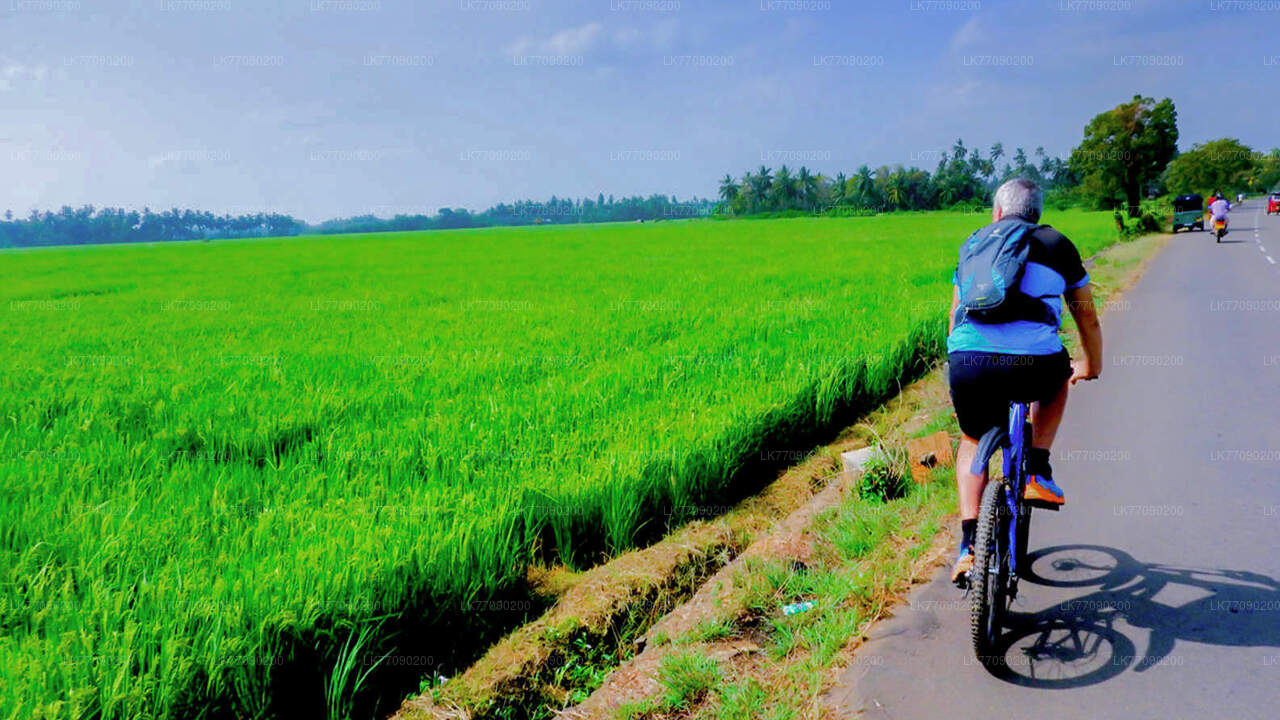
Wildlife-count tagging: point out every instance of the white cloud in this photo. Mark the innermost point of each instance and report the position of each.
(660, 37)
(627, 37)
(575, 41)
(969, 34)
(11, 73)
(523, 46)
(570, 41)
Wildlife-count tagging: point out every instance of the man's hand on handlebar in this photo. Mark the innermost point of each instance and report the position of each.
(1080, 370)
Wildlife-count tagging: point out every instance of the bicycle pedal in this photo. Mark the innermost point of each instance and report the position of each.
(1043, 505)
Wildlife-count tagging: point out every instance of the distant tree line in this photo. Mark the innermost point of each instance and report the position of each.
(963, 176)
(1128, 153)
(556, 211)
(89, 225)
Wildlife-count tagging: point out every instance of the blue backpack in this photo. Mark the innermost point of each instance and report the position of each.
(989, 272)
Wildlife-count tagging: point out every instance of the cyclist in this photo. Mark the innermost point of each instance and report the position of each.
(1219, 208)
(1022, 360)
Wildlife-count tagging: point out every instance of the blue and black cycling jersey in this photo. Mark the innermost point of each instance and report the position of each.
(1053, 267)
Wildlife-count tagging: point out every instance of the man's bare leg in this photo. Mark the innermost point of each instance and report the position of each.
(968, 485)
(969, 491)
(1046, 416)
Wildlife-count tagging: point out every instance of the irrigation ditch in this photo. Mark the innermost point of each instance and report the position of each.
(607, 617)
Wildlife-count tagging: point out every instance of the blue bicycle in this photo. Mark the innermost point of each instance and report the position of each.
(1004, 522)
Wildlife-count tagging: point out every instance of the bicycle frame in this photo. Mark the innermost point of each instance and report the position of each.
(1013, 442)
(1015, 473)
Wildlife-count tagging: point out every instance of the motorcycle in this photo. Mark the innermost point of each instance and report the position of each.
(1219, 229)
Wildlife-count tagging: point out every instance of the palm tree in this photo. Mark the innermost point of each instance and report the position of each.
(764, 176)
(997, 152)
(837, 191)
(783, 189)
(760, 185)
(992, 164)
(865, 185)
(807, 184)
(1046, 166)
(748, 191)
(1020, 161)
(728, 189)
(947, 194)
(894, 189)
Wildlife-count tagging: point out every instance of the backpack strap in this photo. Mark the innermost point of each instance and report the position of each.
(1034, 308)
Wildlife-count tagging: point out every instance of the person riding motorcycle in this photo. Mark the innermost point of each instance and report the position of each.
(1218, 210)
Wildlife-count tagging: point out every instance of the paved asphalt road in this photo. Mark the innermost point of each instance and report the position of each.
(1157, 590)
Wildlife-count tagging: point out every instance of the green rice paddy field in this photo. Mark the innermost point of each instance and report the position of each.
(234, 475)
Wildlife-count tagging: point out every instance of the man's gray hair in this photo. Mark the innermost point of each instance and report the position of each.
(1020, 197)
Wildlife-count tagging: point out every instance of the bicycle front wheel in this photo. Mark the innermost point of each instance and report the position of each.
(989, 581)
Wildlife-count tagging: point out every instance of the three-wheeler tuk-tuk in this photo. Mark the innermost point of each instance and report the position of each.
(1188, 212)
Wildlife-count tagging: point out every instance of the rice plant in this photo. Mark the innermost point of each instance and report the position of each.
(221, 462)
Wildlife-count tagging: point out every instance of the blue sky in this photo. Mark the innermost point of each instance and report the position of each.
(326, 108)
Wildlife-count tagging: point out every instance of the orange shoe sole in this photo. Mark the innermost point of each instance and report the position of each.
(1042, 498)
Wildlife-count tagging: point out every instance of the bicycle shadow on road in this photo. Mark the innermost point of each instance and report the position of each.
(1076, 642)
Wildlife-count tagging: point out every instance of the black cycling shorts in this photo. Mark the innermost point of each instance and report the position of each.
(984, 383)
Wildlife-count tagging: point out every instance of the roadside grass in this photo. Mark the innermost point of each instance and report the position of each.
(866, 551)
(686, 677)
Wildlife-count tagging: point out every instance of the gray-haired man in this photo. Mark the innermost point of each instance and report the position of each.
(1023, 360)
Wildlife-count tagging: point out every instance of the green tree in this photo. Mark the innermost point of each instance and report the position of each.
(1124, 149)
(993, 157)
(1266, 173)
(807, 188)
(759, 184)
(783, 190)
(838, 189)
(728, 189)
(1224, 164)
(957, 178)
(865, 189)
(894, 190)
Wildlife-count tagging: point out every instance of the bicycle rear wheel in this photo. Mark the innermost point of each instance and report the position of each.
(989, 581)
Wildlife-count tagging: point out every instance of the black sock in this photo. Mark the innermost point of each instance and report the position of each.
(967, 530)
(1038, 462)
